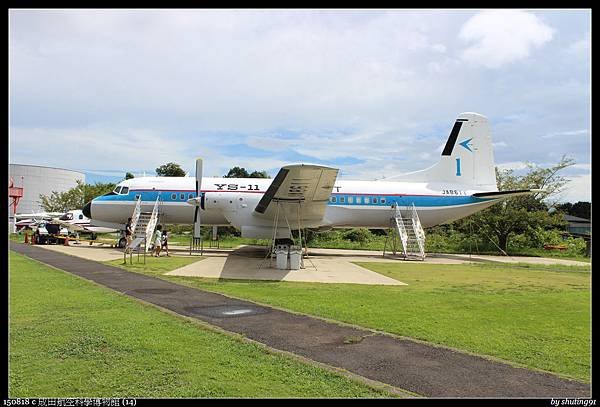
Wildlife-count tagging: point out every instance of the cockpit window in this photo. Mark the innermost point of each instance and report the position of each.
(125, 190)
(66, 216)
(117, 190)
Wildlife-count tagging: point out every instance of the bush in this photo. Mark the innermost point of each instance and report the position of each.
(358, 235)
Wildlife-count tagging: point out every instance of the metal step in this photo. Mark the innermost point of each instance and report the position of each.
(410, 231)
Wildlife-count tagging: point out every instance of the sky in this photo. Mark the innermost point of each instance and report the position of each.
(372, 92)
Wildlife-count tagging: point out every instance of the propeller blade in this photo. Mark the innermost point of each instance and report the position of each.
(197, 222)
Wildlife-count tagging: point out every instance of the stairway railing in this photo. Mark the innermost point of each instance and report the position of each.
(152, 224)
(419, 232)
(400, 227)
(136, 215)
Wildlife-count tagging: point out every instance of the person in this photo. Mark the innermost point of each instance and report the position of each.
(128, 232)
(165, 242)
(157, 241)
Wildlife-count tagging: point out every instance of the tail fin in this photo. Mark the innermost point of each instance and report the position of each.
(467, 157)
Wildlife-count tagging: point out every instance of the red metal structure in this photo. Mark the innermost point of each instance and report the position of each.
(15, 194)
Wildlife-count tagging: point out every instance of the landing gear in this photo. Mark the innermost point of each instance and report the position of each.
(122, 243)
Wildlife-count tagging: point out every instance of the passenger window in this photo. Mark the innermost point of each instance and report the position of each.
(375, 200)
(182, 196)
(125, 190)
(342, 199)
(382, 200)
(333, 199)
(80, 216)
(350, 199)
(190, 196)
(173, 196)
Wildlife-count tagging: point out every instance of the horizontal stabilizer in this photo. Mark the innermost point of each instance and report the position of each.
(505, 194)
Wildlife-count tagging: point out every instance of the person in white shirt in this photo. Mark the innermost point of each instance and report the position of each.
(157, 241)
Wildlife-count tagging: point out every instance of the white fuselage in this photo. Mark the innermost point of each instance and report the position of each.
(231, 201)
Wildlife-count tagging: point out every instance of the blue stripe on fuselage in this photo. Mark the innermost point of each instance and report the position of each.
(364, 200)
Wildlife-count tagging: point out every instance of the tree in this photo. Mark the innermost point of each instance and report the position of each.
(99, 188)
(521, 214)
(74, 198)
(237, 172)
(128, 175)
(580, 209)
(170, 170)
(259, 174)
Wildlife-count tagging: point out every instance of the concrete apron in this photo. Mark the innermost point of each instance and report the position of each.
(417, 367)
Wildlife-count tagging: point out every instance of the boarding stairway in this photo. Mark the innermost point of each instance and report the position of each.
(410, 232)
(143, 225)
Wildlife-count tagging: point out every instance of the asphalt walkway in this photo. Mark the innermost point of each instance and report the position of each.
(417, 367)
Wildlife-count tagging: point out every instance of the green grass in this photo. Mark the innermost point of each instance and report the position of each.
(539, 318)
(72, 338)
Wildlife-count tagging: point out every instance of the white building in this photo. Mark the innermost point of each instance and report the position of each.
(37, 180)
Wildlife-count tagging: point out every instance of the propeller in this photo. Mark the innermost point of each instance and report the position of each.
(197, 200)
(197, 222)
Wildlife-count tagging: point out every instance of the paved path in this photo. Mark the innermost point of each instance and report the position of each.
(420, 368)
(94, 252)
(249, 263)
(444, 258)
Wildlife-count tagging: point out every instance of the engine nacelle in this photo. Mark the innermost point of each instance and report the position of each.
(236, 207)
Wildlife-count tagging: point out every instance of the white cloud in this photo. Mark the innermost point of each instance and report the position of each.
(567, 133)
(90, 148)
(578, 189)
(439, 48)
(499, 37)
(582, 47)
(515, 165)
(134, 89)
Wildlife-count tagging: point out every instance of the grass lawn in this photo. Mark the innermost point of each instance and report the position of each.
(72, 338)
(539, 318)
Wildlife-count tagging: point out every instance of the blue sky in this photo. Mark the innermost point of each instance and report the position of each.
(374, 92)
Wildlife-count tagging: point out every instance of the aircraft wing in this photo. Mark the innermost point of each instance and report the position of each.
(301, 191)
(37, 215)
(71, 226)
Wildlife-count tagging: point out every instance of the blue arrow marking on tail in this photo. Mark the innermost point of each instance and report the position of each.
(465, 144)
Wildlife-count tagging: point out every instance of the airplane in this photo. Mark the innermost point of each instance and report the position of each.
(309, 196)
(77, 223)
(31, 220)
(72, 222)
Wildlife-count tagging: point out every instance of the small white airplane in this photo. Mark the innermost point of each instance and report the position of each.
(31, 220)
(310, 196)
(77, 223)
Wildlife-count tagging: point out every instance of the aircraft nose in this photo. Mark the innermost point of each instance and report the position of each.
(87, 210)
